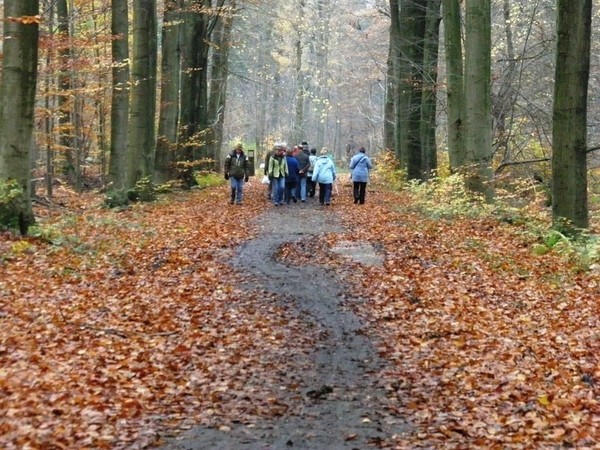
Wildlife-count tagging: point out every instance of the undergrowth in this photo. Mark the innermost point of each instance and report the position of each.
(521, 203)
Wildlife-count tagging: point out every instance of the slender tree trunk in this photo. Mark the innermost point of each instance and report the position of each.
(504, 99)
(478, 98)
(168, 122)
(300, 92)
(396, 88)
(389, 113)
(119, 115)
(17, 102)
(569, 166)
(48, 104)
(455, 98)
(65, 106)
(143, 93)
(429, 100)
(264, 67)
(322, 54)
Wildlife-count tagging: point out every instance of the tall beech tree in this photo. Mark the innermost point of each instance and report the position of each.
(168, 122)
(17, 103)
(142, 131)
(569, 119)
(119, 113)
(478, 44)
(455, 99)
(429, 92)
(218, 81)
(199, 19)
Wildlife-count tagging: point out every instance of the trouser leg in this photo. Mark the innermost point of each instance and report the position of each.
(362, 193)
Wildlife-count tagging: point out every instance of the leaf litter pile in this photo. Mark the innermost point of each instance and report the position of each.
(119, 328)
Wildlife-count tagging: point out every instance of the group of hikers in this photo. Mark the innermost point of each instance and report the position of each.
(293, 174)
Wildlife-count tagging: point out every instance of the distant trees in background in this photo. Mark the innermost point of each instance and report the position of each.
(128, 90)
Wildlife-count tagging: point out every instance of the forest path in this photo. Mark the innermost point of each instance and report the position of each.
(340, 403)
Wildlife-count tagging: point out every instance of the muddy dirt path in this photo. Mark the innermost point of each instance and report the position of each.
(343, 404)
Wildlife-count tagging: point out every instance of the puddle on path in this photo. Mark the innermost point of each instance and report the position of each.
(360, 252)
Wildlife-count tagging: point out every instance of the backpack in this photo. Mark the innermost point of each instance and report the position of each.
(312, 161)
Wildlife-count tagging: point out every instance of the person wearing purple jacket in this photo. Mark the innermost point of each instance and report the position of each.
(292, 177)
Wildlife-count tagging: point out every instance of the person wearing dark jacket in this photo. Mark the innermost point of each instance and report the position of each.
(291, 179)
(304, 163)
(237, 172)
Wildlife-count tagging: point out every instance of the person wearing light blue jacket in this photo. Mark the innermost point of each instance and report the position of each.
(324, 174)
(360, 164)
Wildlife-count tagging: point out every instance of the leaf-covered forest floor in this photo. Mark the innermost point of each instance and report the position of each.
(123, 329)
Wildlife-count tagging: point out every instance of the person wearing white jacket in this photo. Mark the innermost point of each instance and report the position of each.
(324, 174)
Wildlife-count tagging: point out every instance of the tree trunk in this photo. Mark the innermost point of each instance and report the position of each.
(119, 113)
(194, 89)
(218, 84)
(412, 29)
(300, 94)
(17, 102)
(322, 58)
(67, 166)
(455, 99)
(429, 100)
(569, 166)
(478, 98)
(394, 83)
(389, 135)
(168, 122)
(143, 92)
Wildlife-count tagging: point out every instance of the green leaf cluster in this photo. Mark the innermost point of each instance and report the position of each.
(143, 191)
(10, 194)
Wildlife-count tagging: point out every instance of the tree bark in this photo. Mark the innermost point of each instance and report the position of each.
(218, 85)
(478, 97)
(429, 99)
(143, 92)
(569, 120)
(119, 113)
(64, 89)
(410, 78)
(394, 83)
(194, 89)
(168, 122)
(455, 99)
(17, 102)
(389, 112)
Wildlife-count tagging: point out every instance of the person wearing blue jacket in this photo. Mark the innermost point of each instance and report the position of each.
(324, 174)
(292, 177)
(360, 164)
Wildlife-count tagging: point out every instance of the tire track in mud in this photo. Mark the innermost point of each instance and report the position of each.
(343, 405)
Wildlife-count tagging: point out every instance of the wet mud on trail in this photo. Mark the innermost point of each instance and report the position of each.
(340, 403)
